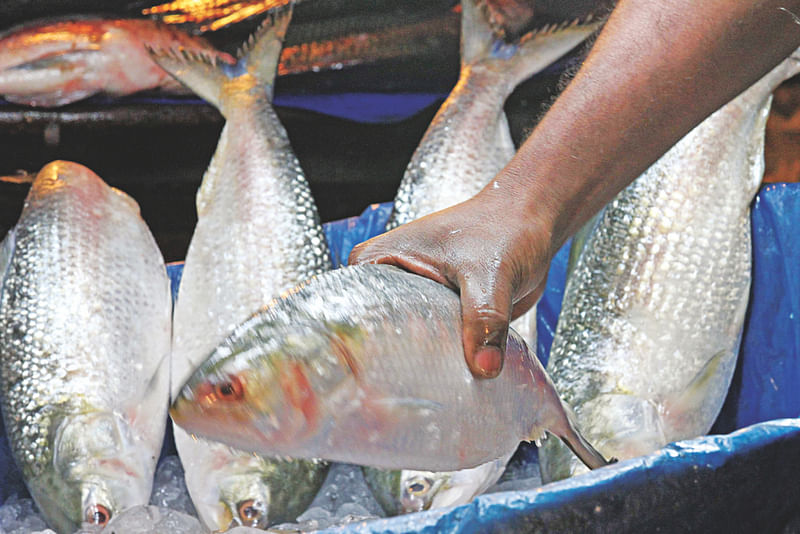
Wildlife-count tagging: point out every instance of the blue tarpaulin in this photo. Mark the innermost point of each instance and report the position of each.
(744, 481)
(744, 478)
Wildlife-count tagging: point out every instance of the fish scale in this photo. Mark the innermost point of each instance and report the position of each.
(651, 322)
(378, 352)
(467, 143)
(468, 140)
(84, 337)
(257, 234)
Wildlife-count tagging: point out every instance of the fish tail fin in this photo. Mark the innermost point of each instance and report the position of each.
(477, 35)
(203, 74)
(572, 438)
(262, 51)
(524, 57)
(208, 76)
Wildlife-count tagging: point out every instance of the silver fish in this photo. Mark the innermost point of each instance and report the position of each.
(653, 311)
(84, 339)
(365, 365)
(406, 491)
(466, 145)
(468, 141)
(258, 234)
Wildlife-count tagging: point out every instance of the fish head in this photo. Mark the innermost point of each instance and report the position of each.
(244, 500)
(420, 490)
(405, 491)
(269, 491)
(426, 490)
(261, 390)
(97, 472)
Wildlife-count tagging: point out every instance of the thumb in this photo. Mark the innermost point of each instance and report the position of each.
(486, 311)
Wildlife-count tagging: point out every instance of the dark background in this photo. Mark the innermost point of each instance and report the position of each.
(157, 150)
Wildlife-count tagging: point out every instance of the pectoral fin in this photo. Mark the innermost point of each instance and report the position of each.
(689, 411)
(584, 450)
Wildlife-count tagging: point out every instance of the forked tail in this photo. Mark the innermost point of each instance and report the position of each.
(222, 84)
(521, 59)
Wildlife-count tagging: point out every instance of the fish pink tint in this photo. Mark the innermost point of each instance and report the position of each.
(53, 63)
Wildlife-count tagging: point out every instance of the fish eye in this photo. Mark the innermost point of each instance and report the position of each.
(97, 515)
(419, 486)
(232, 389)
(249, 512)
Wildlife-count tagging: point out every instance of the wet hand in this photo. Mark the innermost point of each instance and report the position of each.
(483, 248)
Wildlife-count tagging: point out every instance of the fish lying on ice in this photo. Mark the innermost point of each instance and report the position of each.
(467, 143)
(365, 365)
(54, 63)
(84, 339)
(653, 310)
(406, 491)
(257, 234)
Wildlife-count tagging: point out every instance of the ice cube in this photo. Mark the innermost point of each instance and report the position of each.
(20, 516)
(154, 520)
(169, 487)
(345, 484)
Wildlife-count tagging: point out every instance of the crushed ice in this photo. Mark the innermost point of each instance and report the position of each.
(344, 498)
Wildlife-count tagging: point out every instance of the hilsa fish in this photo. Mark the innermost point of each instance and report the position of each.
(407, 491)
(653, 310)
(467, 143)
(258, 234)
(365, 365)
(85, 317)
(53, 63)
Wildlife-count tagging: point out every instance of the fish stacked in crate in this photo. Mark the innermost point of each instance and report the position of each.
(84, 345)
(258, 234)
(654, 306)
(466, 145)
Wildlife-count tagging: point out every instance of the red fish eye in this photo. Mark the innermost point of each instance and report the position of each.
(233, 389)
(249, 513)
(97, 515)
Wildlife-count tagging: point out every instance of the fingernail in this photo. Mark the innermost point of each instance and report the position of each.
(489, 361)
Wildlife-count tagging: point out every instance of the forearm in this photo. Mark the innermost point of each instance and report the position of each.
(656, 71)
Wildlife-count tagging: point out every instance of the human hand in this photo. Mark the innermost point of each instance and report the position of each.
(494, 255)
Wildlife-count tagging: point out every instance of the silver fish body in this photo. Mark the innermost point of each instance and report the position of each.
(365, 365)
(653, 310)
(467, 143)
(84, 340)
(257, 234)
(407, 491)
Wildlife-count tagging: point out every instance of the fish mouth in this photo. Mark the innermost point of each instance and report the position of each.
(180, 412)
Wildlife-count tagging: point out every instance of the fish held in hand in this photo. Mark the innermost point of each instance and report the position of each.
(85, 338)
(365, 365)
(54, 63)
(467, 143)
